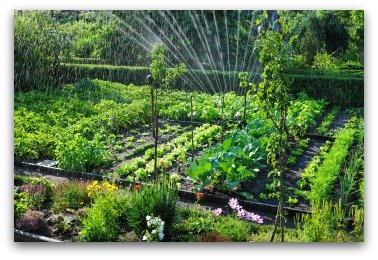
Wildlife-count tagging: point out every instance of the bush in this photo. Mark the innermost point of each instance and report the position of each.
(102, 220)
(70, 195)
(232, 228)
(36, 192)
(19, 204)
(158, 199)
(325, 224)
(82, 154)
(33, 221)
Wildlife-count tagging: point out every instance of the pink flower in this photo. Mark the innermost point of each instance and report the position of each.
(234, 204)
(250, 216)
(259, 219)
(241, 213)
(217, 211)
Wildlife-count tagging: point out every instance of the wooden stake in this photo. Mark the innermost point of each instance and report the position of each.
(191, 124)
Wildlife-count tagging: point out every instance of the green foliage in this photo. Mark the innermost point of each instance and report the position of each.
(309, 173)
(158, 69)
(327, 121)
(325, 224)
(348, 182)
(345, 91)
(19, 203)
(81, 154)
(36, 192)
(102, 221)
(238, 158)
(157, 199)
(232, 228)
(38, 45)
(324, 61)
(328, 171)
(358, 224)
(70, 195)
(198, 222)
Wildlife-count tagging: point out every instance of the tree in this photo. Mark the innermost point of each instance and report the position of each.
(273, 94)
(39, 45)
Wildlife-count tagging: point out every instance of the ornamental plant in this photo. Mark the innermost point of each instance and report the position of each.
(242, 213)
(70, 195)
(95, 188)
(157, 199)
(155, 229)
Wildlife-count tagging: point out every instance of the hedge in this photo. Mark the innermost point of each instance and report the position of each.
(341, 91)
(345, 91)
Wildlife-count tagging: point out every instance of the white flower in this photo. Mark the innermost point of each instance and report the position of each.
(153, 231)
(148, 218)
(161, 235)
(144, 238)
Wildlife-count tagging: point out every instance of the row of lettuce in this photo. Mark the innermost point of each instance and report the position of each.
(101, 212)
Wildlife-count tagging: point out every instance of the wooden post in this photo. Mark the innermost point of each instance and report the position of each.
(150, 81)
(222, 120)
(191, 124)
(156, 136)
(245, 108)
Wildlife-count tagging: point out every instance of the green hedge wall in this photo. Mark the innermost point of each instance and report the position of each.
(342, 89)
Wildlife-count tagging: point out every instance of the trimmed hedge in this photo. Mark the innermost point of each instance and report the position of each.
(71, 73)
(340, 91)
(344, 89)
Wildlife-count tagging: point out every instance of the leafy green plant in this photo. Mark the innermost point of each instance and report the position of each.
(232, 228)
(322, 129)
(348, 182)
(325, 224)
(158, 199)
(82, 154)
(101, 222)
(37, 191)
(70, 195)
(19, 203)
(328, 171)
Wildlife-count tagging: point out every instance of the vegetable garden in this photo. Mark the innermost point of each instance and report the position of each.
(160, 160)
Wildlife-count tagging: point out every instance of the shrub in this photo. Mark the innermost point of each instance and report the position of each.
(19, 203)
(81, 154)
(101, 222)
(345, 91)
(33, 221)
(158, 199)
(37, 191)
(69, 195)
(325, 224)
(232, 228)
